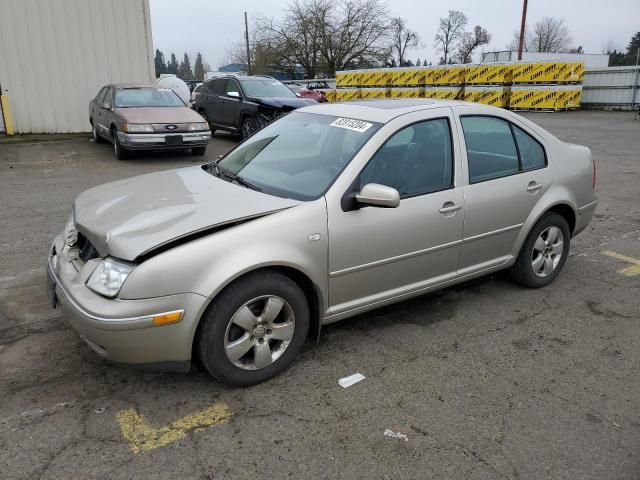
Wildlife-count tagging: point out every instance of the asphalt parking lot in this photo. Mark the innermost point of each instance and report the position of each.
(483, 381)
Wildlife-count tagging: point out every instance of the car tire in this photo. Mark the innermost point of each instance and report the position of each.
(543, 253)
(248, 127)
(96, 136)
(198, 151)
(254, 329)
(120, 152)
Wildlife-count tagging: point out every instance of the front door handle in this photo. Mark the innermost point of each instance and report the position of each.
(533, 187)
(449, 207)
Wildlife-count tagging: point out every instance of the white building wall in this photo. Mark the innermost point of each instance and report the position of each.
(56, 55)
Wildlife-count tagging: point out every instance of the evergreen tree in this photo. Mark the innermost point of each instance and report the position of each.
(172, 66)
(184, 69)
(418, 63)
(424, 64)
(198, 69)
(161, 66)
(632, 49)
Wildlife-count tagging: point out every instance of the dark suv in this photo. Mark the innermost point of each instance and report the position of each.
(244, 104)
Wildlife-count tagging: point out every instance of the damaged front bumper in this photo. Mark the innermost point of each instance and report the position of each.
(122, 331)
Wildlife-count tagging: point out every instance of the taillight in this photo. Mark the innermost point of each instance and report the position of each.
(593, 181)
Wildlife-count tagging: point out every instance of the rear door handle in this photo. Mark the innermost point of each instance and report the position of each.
(449, 207)
(534, 187)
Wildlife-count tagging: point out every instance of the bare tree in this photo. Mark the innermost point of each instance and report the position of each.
(403, 39)
(450, 31)
(355, 33)
(470, 41)
(515, 39)
(550, 35)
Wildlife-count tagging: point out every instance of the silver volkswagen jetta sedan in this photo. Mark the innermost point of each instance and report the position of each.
(326, 213)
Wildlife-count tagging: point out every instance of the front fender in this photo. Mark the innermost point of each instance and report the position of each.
(206, 265)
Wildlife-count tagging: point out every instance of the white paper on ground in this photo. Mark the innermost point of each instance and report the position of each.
(398, 435)
(351, 380)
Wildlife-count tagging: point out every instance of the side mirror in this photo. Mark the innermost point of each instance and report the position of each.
(376, 195)
(107, 105)
(233, 94)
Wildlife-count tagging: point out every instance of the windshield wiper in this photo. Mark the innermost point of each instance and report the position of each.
(220, 173)
(238, 179)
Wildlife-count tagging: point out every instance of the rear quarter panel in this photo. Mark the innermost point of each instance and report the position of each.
(572, 170)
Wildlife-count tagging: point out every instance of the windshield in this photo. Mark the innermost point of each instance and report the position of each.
(266, 87)
(298, 156)
(147, 97)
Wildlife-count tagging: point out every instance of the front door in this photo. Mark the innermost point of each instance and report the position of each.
(507, 175)
(376, 254)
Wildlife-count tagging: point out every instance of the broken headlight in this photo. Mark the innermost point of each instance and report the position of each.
(108, 277)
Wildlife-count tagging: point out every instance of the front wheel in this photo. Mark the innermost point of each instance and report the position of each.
(543, 253)
(198, 151)
(120, 152)
(254, 329)
(249, 127)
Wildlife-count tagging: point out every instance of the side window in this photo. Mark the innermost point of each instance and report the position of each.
(231, 86)
(491, 151)
(100, 96)
(217, 87)
(531, 152)
(415, 160)
(107, 96)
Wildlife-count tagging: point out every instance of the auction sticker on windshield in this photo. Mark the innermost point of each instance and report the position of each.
(352, 124)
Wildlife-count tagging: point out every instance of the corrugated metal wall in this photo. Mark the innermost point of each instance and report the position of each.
(611, 87)
(55, 56)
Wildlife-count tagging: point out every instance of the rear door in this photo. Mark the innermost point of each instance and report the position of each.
(505, 175)
(102, 111)
(230, 106)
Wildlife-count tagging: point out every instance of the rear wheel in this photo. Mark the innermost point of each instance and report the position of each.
(543, 253)
(120, 152)
(254, 329)
(249, 127)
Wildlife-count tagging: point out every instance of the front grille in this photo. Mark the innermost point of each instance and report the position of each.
(87, 250)
(162, 127)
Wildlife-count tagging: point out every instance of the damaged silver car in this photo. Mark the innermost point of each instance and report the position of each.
(328, 212)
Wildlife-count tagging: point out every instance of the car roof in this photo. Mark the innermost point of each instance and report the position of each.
(380, 110)
(133, 85)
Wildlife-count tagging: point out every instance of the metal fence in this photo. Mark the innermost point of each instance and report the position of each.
(611, 88)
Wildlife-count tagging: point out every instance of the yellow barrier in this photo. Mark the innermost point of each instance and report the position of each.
(6, 112)
(348, 78)
(407, 93)
(369, 93)
(496, 96)
(347, 94)
(404, 77)
(570, 72)
(329, 94)
(568, 97)
(488, 74)
(447, 75)
(444, 93)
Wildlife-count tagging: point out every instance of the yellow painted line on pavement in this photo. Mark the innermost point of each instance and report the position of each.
(631, 271)
(142, 437)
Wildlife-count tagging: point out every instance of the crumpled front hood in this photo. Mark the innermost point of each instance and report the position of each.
(129, 217)
(281, 102)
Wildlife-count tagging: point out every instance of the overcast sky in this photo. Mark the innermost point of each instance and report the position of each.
(209, 26)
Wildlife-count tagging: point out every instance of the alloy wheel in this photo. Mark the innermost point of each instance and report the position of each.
(259, 332)
(547, 251)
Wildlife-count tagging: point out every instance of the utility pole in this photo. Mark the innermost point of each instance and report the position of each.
(246, 38)
(522, 28)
